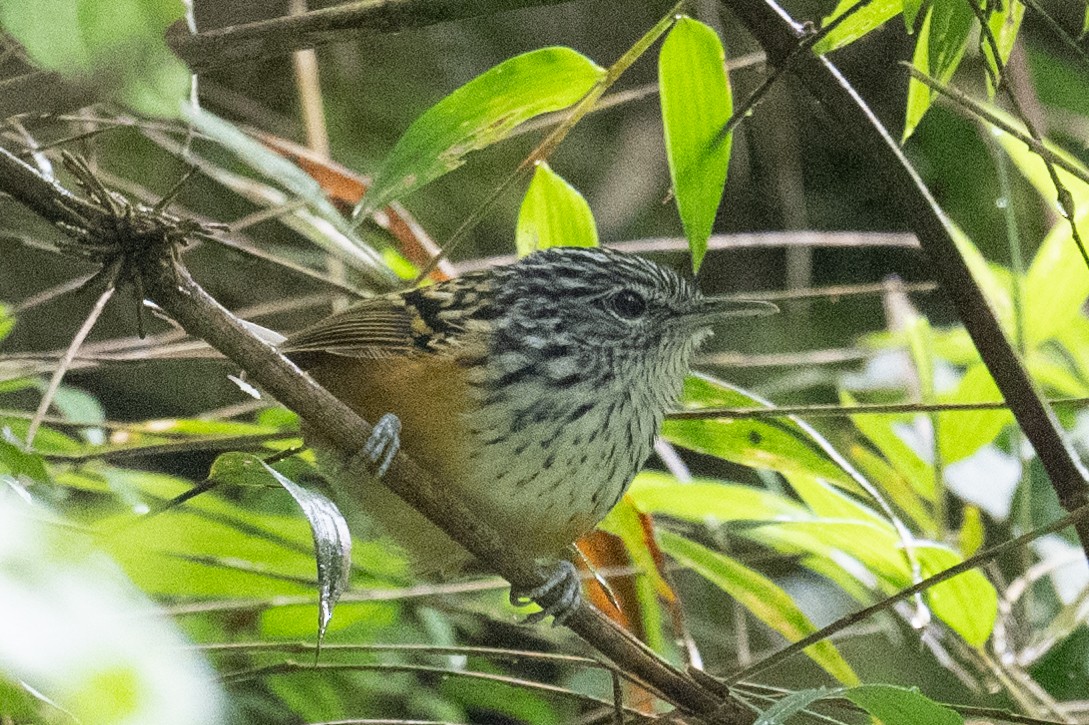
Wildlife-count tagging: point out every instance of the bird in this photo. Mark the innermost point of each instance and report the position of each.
(534, 390)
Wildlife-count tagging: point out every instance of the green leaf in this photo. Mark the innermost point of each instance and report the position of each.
(894, 705)
(625, 522)
(792, 704)
(938, 51)
(332, 540)
(911, 13)
(477, 115)
(967, 603)
(1004, 24)
(867, 19)
(1056, 283)
(781, 444)
(962, 433)
(767, 602)
(114, 47)
(879, 431)
(7, 321)
(553, 214)
(696, 104)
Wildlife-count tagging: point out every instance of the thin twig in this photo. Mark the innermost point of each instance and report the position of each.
(110, 276)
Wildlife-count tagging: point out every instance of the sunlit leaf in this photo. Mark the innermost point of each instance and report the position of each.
(114, 47)
(878, 429)
(780, 444)
(696, 104)
(869, 17)
(480, 113)
(766, 601)
(972, 531)
(7, 321)
(939, 48)
(553, 214)
(1004, 23)
(894, 705)
(962, 433)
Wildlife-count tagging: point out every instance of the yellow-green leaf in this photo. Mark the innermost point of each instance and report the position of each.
(480, 113)
(553, 214)
(861, 22)
(696, 104)
(761, 596)
(938, 51)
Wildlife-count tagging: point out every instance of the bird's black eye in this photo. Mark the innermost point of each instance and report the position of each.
(629, 304)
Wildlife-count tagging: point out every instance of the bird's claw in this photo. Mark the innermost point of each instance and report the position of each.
(383, 443)
(558, 597)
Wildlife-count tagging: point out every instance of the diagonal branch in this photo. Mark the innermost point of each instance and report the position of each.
(168, 283)
(779, 35)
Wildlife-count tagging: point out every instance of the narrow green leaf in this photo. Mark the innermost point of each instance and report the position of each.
(938, 51)
(792, 704)
(116, 48)
(767, 602)
(866, 19)
(779, 444)
(696, 104)
(553, 214)
(480, 113)
(1004, 23)
(972, 531)
(894, 705)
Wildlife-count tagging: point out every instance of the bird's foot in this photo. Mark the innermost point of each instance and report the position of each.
(383, 444)
(558, 597)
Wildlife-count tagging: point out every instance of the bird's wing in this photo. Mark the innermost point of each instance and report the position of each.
(375, 328)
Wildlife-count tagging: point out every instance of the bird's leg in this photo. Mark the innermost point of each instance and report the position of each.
(558, 597)
(383, 443)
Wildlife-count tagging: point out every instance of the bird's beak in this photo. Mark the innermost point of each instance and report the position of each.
(711, 309)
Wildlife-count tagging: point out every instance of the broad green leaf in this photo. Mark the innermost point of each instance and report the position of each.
(477, 115)
(896, 486)
(1004, 24)
(968, 603)
(1033, 168)
(938, 51)
(894, 705)
(553, 214)
(707, 501)
(792, 704)
(861, 23)
(766, 601)
(696, 104)
(962, 433)
(911, 13)
(779, 444)
(114, 47)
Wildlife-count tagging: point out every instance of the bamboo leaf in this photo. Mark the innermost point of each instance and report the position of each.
(767, 602)
(894, 705)
(696, 105)
(478, 114)
(865, 20)
(553, 214)
(938, 51)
